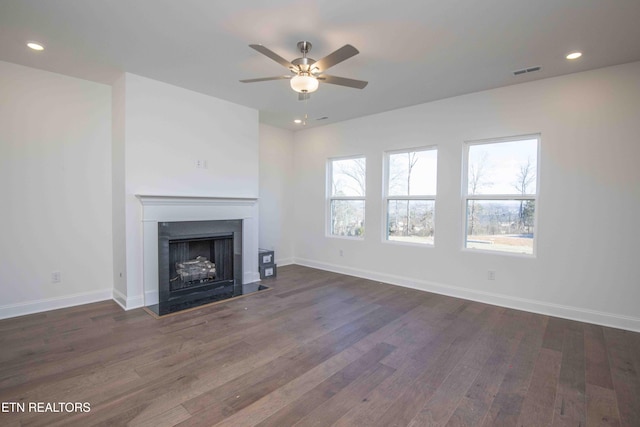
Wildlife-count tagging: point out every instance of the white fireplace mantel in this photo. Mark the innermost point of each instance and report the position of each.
(160, 208)
(165, 208)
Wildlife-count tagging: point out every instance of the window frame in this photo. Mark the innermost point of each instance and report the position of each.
(466, 197)
(386, 197)
(330, 197)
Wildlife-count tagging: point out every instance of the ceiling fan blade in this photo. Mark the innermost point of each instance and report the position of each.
(271, 54)
(264, 79)
(345, 52)
(343, 81)
(303, 96)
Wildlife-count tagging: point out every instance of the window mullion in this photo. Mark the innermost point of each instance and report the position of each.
(500, 196)
(427, 197)
(347, 198)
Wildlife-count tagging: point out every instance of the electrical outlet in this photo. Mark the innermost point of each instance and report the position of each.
(56, 277)
(491, 275)
(341, 252)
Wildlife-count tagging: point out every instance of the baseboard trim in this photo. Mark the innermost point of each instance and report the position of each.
(127, 303)
(533, 306)
(119, 298)
(47, 304)
(284, 261)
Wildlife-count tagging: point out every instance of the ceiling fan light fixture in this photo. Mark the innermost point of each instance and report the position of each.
(304, 83)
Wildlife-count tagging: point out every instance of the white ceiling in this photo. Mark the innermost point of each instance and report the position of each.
(411, 52)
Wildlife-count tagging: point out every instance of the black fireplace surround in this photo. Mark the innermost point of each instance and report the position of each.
(180, 243)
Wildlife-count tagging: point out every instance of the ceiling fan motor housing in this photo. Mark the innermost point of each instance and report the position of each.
(303, 64)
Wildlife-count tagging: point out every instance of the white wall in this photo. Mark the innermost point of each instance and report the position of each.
(55, 190)
(167, 129)
(276, 198)
(589, 196)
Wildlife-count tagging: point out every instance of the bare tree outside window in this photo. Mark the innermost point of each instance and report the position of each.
(477, 180)
(526, 177)
(349, 177)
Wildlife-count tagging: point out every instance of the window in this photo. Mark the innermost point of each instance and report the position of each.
(347, 196)
(410, 195)
(501, 194)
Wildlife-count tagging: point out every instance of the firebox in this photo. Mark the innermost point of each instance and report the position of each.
(198, 262)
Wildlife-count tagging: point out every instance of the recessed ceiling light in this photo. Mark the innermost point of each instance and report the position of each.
(35, 46)
(297, 121)
(574, 55)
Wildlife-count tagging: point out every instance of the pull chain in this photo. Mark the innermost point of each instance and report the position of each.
(304, 121)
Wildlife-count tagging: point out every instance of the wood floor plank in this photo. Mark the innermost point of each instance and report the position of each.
(320, 348)
(597, 367)
(434, 372)
(537, 408)
(570, 406)
(412, 338)
(282, 397)
(506, 406)
(625, 375)
(172, 417)
(440, 407)
(602, 407)
(309, 401)
(369, 411)
(554, 334)
(478, 398)
(331, 410)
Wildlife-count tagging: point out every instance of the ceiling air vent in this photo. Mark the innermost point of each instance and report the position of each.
(526, 70)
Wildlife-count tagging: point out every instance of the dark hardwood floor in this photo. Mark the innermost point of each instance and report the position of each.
(319, 349)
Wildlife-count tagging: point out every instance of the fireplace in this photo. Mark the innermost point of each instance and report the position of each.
(184, 235)
(198, 263)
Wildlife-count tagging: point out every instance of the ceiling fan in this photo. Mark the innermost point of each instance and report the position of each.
(307, 72)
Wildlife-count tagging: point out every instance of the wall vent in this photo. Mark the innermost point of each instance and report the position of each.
(526, 70)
